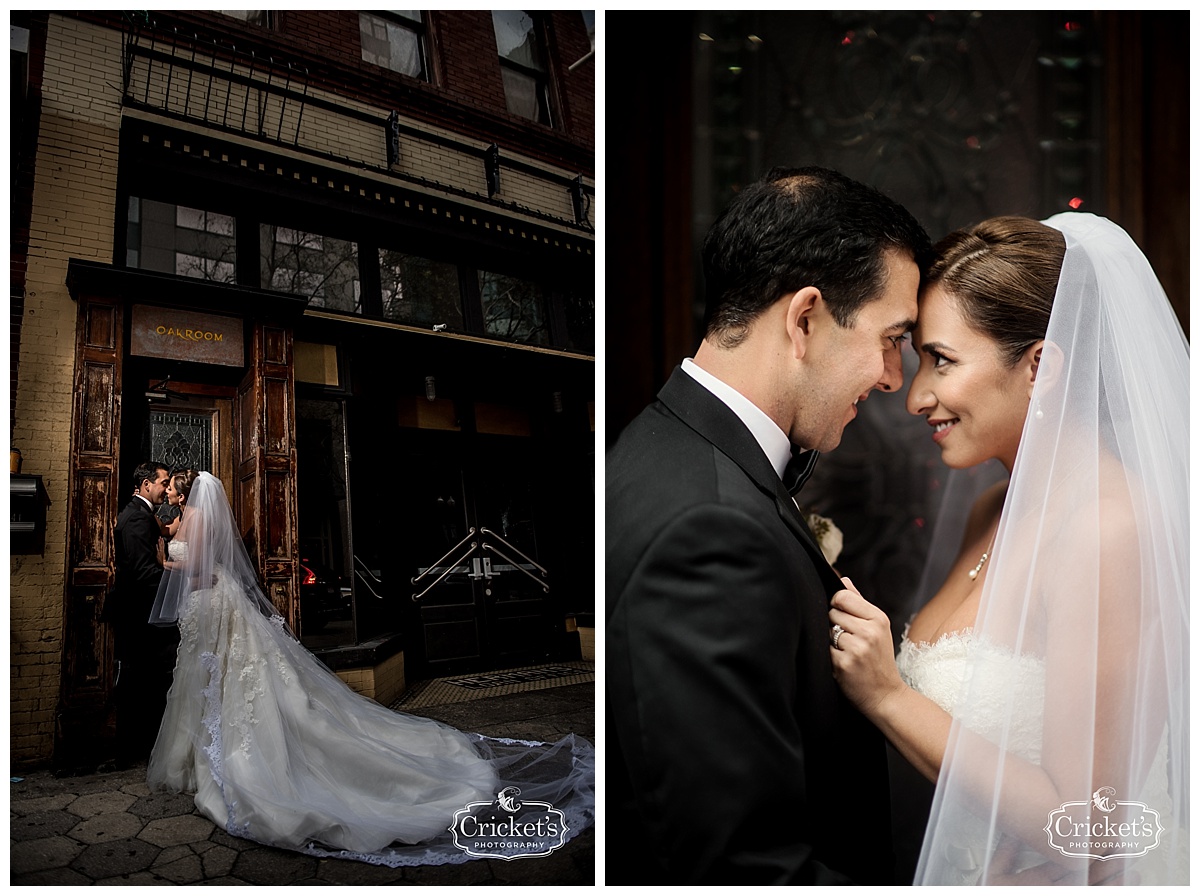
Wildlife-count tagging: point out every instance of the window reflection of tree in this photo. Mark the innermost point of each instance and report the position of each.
(220, 270)
(205, 248)
(512, 309)
(310, 264)
(419, 290)
(581, 321)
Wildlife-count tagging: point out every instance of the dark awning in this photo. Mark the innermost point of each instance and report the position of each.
(172, 291)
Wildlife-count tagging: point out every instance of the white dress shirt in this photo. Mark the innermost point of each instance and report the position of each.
(773, 440)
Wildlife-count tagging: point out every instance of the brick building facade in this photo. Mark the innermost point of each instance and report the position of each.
(386, 221)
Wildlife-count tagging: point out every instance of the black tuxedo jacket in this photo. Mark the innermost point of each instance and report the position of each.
(732, 755)
(137, 570)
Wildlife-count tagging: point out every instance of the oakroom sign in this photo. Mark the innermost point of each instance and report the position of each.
(186, 336)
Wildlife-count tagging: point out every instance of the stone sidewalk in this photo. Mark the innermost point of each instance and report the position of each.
(109, 829)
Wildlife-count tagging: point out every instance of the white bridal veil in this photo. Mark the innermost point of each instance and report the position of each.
(1088, 587)
(212, 542)
(278, 749)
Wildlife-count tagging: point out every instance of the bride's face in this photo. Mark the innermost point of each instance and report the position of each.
(172, 493)
(975, 402)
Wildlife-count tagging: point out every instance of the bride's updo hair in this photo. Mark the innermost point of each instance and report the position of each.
(1003, 274)
(183, 479)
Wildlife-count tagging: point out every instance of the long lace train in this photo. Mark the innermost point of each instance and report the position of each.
(279, 750)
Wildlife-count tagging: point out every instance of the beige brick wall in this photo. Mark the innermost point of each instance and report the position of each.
(389, 680)
(361, 681)
(73, 205)
(383, 683)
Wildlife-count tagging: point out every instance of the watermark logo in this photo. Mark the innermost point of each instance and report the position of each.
(508, 828)
(1104, 827)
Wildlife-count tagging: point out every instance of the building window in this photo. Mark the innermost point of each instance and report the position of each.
(589, 22)
(513, 310)
(397, 43)
(522, 65)
(311, 264)
(580, 310)
(177, 239)
(419, 291)
(260, 17)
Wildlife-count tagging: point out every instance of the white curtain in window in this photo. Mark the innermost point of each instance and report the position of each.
(250, 16)
(391, 44)
(520, 91)
(516, 38)
(405, 48)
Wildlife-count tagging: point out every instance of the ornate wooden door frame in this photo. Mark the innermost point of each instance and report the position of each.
(265, 499)
(265, 466)
(91, 514)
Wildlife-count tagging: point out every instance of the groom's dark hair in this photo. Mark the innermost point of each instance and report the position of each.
(146, 470)
(798, 227)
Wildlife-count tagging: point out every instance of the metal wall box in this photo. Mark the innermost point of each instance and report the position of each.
(27, 503)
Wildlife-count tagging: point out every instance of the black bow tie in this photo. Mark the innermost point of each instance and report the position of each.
(799, 467)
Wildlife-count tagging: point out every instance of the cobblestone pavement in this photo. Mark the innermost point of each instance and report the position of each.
(108, 828)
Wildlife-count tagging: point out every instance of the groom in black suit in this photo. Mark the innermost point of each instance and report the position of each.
(145, 653)
(733, 757)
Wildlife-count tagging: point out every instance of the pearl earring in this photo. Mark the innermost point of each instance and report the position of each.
(1038, 413)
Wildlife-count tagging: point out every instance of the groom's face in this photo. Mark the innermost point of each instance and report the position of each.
(848, 363)
(154, 489)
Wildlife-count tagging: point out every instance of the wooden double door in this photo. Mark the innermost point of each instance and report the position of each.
(248, 431)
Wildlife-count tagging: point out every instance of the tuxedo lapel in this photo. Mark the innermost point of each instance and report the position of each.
(794, 519)
(712, 419)
(147, 513)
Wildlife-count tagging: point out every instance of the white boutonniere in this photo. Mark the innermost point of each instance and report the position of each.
(829, 536)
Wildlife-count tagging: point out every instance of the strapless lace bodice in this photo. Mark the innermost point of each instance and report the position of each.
(999, 694)
(976, 681)
(177, 551)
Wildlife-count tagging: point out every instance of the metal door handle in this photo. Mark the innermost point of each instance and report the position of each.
(513, 548)
(438, 562)
(449, 569)
(496, 550)
(375, 594)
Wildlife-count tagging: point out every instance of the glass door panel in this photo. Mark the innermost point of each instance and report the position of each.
(327, 602)
(516, 584)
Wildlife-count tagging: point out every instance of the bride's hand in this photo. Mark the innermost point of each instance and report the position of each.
(864, 662)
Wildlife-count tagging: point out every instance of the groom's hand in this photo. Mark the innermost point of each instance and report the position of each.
(864, 662)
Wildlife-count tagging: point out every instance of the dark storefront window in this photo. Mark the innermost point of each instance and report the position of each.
(420, 291)
(326, 573)
(310, 264)
(397, 43)
(580, 312)
(524, 73)
(513, 310)
(329, 271)
(178, 239)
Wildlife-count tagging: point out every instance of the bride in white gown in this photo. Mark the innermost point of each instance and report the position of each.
(1044, 686)
(279, 750)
